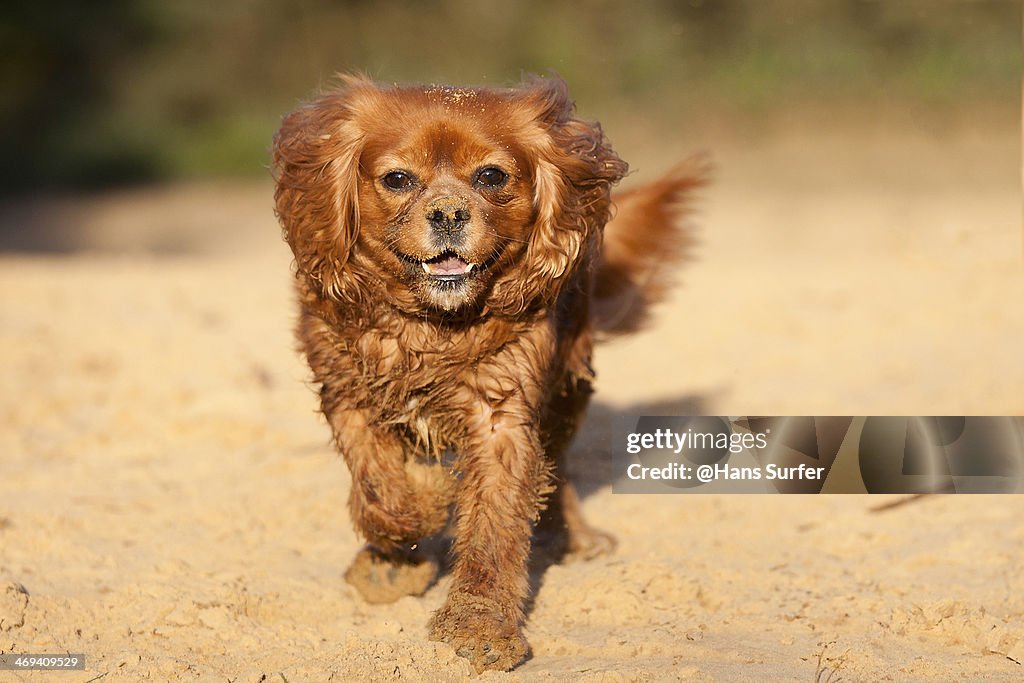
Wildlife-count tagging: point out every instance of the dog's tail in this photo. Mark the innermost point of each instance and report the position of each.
(644, 244)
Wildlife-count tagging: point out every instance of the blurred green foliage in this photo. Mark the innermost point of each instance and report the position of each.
(127, 90)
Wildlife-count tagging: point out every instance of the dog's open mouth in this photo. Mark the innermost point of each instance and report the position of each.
(447, 266)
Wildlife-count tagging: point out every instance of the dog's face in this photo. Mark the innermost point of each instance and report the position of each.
(445, 203)
(442, 199)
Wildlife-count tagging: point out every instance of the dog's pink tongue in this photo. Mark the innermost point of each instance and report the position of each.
(449, 265)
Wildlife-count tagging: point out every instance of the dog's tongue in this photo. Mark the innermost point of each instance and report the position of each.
(446, 264)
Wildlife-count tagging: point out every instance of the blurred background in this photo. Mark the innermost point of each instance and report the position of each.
(127, 91)
(861, 238)
(866, 193)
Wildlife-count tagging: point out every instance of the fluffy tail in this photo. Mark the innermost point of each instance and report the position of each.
(644, 244)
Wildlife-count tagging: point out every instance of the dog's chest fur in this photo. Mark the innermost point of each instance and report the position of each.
(426, 381)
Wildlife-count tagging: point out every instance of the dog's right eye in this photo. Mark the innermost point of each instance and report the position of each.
(398, 180)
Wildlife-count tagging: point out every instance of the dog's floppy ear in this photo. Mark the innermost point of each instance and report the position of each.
(574, 170)
(316, 168)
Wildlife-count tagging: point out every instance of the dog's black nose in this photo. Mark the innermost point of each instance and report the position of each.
(457, 217)
(448, 217)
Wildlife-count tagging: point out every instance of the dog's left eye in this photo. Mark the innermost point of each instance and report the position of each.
(491, 177)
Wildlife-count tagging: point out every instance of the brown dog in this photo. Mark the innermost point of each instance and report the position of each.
(452, 279)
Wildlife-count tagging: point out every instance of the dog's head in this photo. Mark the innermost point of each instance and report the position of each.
(442, 199)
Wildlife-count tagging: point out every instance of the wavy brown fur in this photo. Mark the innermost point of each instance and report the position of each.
(493, 365)
(643, 246)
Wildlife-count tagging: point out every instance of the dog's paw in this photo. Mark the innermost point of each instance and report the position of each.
(588, 543)
(479, 630)
(381, 577)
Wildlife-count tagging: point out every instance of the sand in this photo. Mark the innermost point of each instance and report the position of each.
(170, 506)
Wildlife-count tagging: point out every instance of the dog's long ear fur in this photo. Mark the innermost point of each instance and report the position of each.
(316, 165)
(575, 168)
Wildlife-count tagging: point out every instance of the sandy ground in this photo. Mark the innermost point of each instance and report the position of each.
(170, 507)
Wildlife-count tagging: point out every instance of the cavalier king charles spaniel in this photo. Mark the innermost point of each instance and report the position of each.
(457, 252)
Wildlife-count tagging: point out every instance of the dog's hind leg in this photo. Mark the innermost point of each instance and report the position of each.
(562, 531)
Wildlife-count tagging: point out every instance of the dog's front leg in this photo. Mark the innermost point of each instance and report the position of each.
(504, 477)
(391, 508)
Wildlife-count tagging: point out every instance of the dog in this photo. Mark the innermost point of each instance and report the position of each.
(456, 259)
